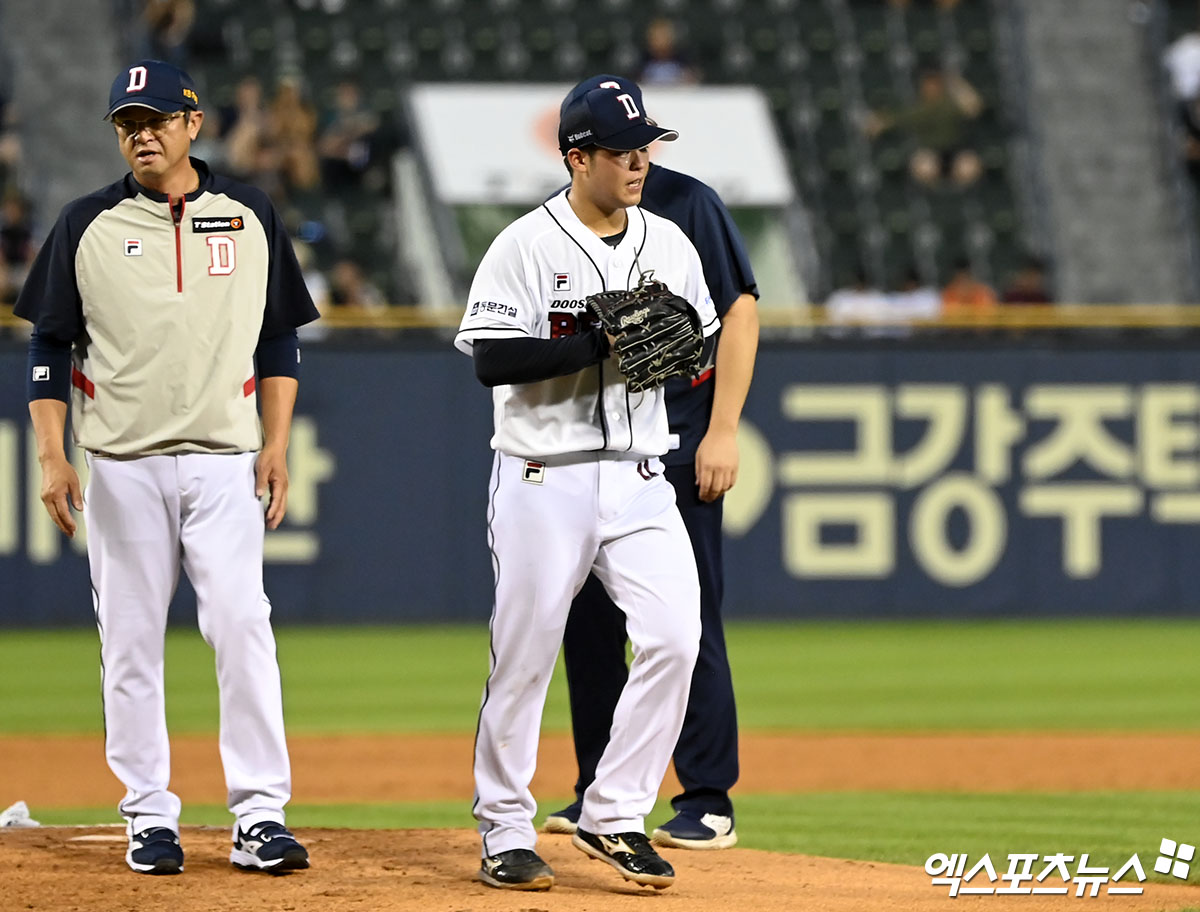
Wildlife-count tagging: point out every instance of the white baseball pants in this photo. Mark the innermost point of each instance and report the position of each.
(548, 529)
(145, 516)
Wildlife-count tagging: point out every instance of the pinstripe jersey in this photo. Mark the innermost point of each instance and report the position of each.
(165, 304)
(533, 281)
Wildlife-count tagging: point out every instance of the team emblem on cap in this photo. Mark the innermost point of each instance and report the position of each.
(137, 79)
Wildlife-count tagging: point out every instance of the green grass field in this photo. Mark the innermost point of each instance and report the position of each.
(1129, 676)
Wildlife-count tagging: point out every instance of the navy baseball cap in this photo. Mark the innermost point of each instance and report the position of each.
(153, 84)
(607, 111)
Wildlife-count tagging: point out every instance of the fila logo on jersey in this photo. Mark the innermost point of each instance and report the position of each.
(217, 223)
(41, 372)
(534, 472)
(562, 281)
(133, 247)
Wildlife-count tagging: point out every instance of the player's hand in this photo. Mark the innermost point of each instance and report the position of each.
(61, 491)
(716, 463)
(271, 474)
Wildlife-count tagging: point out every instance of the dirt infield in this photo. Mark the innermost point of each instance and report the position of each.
(56, 869)
(67, 870)
(59, 771)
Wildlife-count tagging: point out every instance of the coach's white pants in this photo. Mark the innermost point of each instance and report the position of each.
(597, 514)
(146, 516)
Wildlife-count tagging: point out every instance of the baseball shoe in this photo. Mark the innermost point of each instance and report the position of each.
(155, 851)
(564, 821)
(683, 831)
(516, 869)
(630, 853)
(267, 846)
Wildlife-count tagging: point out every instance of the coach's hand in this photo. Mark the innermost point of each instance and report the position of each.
(61, 491)
(716, 463)
(271, 474)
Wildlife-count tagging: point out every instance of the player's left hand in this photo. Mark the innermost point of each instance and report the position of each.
(271, 474)
(716, 463)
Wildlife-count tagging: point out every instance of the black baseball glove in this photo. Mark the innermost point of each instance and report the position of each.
(658, 334)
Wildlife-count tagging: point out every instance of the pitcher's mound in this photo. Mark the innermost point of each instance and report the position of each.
(65, 869)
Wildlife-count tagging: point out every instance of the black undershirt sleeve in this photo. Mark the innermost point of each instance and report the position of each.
(526, 360)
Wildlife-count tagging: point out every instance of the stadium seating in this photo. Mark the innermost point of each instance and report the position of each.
(823, 65)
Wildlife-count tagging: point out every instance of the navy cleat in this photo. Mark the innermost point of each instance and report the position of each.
(516, 869)
(564, 821)
(683, 831)
(155, 851)
(631, 854)
(267, 846)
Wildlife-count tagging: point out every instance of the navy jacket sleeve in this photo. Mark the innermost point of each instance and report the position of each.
(727, 269)
(697, 209)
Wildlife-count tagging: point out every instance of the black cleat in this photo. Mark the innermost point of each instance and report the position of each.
(631, 854)
(267, 846)
(155, 851)
(516, 869)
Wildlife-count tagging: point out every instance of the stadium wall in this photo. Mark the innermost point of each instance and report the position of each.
(971, 477)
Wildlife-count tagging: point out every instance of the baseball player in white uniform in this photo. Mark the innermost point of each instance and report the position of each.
(164, 306)
(577, 487)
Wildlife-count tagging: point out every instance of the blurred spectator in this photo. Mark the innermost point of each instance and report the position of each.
(938, 123)
(1189, 116)
(351, 289)
(940, 4)
(1028, 284)
(915, 299)
(16, 244)
(10, 143)
(347, 141)
(1182, 60)
(663, 63)
(318, 289)
(966, 294)
(291, 137)
(859, 303)
(165, 26)
(243, 128)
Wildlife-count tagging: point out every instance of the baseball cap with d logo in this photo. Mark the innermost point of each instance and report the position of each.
(153, 84)
(607, 111)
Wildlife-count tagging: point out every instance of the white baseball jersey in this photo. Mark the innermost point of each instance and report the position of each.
(533, 282)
